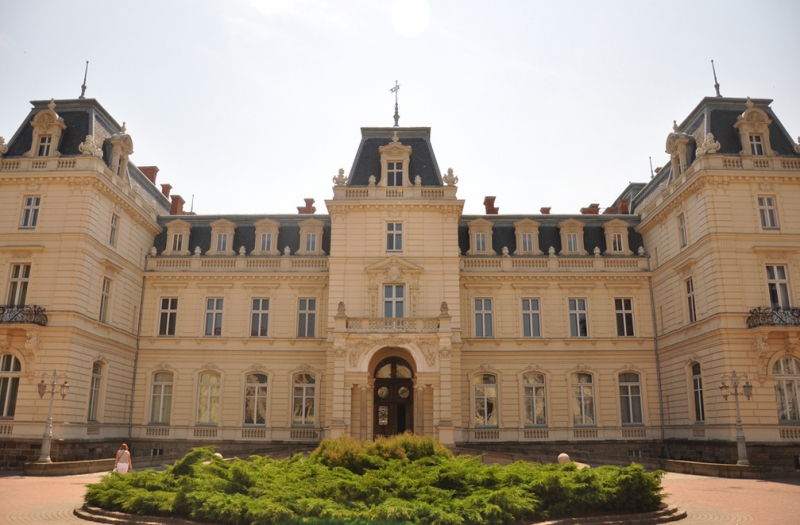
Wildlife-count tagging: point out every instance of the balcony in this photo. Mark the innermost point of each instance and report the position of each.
(393, 324)
(773, 317)
(23, 314)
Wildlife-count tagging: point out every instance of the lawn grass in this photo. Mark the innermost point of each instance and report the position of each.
(401, 480)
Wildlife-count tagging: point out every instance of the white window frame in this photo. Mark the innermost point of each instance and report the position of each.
(617, 243)
(45, 143)
(208, 398)
(161, 398)
(484, 322)
(259, 317)
(756, 145)
(18, 282)
(394, 174)
(256, 398)
(534, 399)
(177, 242)
(527, 242)
(266, 242)
(787, 387)
(304, 400)
(168, 317)
(311, 242)
(486, 408)
(630, 398)
(768, 212)
(94, 391)
(213, 317)
(394, 298)
(578, 316)
(688, 286)
(31, 205)
(10, 373)
(222, 242)
(114, 230)
(584, 407)
(306, 317)
(623, 312)
(778, 286)
(480, 242)
(394, 236)
(572, 243)
(105, 300)
(697, 393)
(531, 318)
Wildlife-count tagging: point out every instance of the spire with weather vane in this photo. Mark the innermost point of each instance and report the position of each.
(394, 90)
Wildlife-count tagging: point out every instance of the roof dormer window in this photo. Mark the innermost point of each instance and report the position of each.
(222, 242)
(47, 129)
(394, 164)
(756, 147)
(480, 234)
(571, 231)
(616, 232)
(311, 237)
(222, 237)
(527, 232)
(753, 127)
(44, 145)
(178, 238)
(394, 174)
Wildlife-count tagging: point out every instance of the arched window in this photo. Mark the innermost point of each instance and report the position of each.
(583, 399)
(9, 384)
(304, 400)
(161, 398)
(697, 388)
(485, 400)
(535, 405)
(208, 399)
(255, 400)
(94, 390)
(787, 388)
(630, 398)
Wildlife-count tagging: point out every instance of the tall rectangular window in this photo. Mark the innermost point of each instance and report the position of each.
(624, 313)
(683, 238)
(527, 242)
(394, 236)
(18, 284)
(535, 407)
(112, 236)
(161, 398)
(572, 242)
(480, 242)
(630, 398)
(94, 391)
(768, 212)
(394, 173)
(255, 399)
(394, 300)
(578, 321)
(778, 286)
(266, 242)
(306, 317)
(45, 141)
(177, 242)
(105, 299)
(616, 243)
(530, 318)
(582, 399)
(756, 147)
(259, 325)
(483, 318)
(690, 306)
(30, 212)
(697, 387)
(311, 242)
(222, 242)
(168, 316)
(304, 399)
(10, 369)
(486, 400)
(213, 317)
(208, 399)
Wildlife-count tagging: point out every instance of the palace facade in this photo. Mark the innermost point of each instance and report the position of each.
(597, 334)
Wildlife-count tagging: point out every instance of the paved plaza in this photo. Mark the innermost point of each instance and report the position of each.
(29, 500)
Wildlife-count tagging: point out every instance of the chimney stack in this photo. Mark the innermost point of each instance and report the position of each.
(150, 172)
(177, 205)
(624, 208)
(545, 211)
(593, 209)
(308, 209)
(488, 202)
(165, 188)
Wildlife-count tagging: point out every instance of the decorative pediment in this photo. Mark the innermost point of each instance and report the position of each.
(393, 152)
(47, 128)
(221, 225)
(753, 126)
(393, 262)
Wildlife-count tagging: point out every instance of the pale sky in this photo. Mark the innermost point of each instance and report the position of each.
(253, 105)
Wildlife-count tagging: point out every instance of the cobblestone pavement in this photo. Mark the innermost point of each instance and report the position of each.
(28, 500)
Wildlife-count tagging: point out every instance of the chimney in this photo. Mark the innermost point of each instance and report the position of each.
(623, 206)
(165, 189)
(488, 202)
(611, 210)
(544, 211)
(593, 209)
(150, 172)
(657, 170)
(308, 209)
(177, 205)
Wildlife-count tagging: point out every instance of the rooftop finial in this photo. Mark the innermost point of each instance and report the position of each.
(83, 86)
(716, 84)
(394, 90)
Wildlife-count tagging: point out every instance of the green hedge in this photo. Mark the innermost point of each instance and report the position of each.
(404, 479)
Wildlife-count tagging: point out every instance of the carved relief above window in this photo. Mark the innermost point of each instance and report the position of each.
(310, 237)
(394, 164)
(527, 233)
(571, 232)
(47, 128)
(121, 148)
(616, 232)
(222, 237)
(753, 127)
(266, 237)
(177, 238)
(677, 148)
(480, 237)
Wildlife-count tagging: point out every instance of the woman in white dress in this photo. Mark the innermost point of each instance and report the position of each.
(122, 463)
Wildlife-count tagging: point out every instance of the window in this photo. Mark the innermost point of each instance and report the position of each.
(690, 307)
(311, 242)
(303, 400)
(259, 326)
(483, 318)
(486, 400)
(778, 286)
(683, 238)
(112, 235)
(9, 384)
(44, 145)
(630, 398)
(527, 242)
(255, 399)
(169, 316)
(94, 390)
(306, 317)
(480, 242)
(535, 407)
(266, 242)
(787, 389)
(768, 212)
(393, 300)
(697, 388)
(105, 299)
(222, 242)
(213, 317)
(208, 399)
(18, 284)
(572, 242)
(161, 398)
(177, 242)
(756, 148)
(624, 310)
(530, 318)
(616, 243)
(394, 173)
(578, 325)
(582, 399)
(30, 212)
(394, 236)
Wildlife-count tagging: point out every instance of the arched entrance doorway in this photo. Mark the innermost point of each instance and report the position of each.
(394, 397)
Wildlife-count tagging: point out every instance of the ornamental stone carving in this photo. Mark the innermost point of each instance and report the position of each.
(797, 146)
(393, 272)
(708, 147)
(89, 147)
(340, 180)
(3, 147)
(452, 180)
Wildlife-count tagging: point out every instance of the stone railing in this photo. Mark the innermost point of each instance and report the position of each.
(393, 324)
(243, 263)
(409, 192)
(773, 317)
(554, 264)
(23, 314)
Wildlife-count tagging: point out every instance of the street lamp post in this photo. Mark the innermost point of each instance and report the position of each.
(747, 390)
(52, 379)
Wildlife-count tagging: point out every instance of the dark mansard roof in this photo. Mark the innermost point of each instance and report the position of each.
(368, 158)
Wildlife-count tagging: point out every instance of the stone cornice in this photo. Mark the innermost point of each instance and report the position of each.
(547, 277)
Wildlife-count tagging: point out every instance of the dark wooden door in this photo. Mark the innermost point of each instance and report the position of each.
(393, 398)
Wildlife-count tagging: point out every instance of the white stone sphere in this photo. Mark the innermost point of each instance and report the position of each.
(563, 458)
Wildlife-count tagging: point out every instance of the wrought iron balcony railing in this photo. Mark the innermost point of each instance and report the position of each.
(23, 314)
(773, 317)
